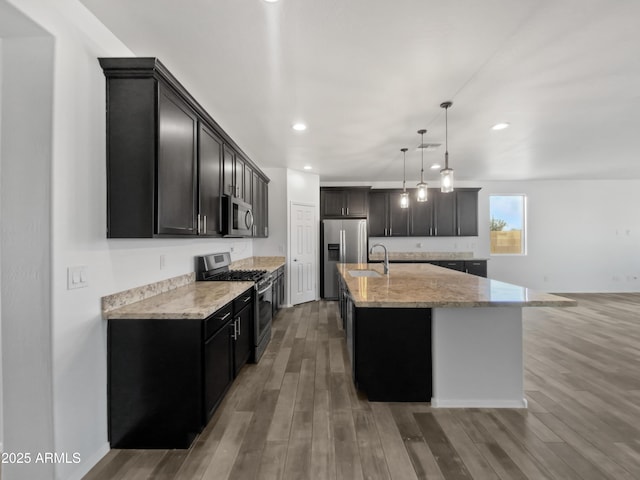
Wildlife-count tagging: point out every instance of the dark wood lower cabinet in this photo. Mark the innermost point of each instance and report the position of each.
(166, 377)
(155, 371)
(390, 352)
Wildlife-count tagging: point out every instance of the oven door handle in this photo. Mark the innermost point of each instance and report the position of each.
(260, 292)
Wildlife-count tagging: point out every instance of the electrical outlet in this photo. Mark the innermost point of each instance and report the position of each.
(231, 249)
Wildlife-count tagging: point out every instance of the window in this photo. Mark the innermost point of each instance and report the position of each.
(508, 224)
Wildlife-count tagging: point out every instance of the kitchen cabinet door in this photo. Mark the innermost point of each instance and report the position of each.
(356, 203)
(453, 265)
(177, 167)
(248, 184)
(476, 267)
(260, 206)
(210, 148)
(238, 172)
(467, 212)
(378, 225)
(398, 217)
(332, 203)
(243, 337)
(444, 213)
(218, 368)
(228, 172)
(421, 217)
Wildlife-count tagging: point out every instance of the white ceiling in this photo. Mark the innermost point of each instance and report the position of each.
(365, 75)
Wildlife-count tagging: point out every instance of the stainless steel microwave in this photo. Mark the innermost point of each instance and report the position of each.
(237, 217)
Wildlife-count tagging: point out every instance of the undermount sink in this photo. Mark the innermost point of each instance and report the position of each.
(364, 273)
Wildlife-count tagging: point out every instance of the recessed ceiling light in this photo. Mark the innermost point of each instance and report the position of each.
(271, 1)
(300, 127)
(500, 126)
(435, 166)
(307, 167)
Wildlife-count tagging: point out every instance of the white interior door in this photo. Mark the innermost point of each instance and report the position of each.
(303, 260)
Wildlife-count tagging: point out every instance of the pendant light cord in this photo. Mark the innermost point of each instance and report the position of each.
(422, 155)
(404, 169)
(446, 137)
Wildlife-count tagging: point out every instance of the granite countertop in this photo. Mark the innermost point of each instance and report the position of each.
(378, 255)
(270, 264)
(421, 285)
(194, 301)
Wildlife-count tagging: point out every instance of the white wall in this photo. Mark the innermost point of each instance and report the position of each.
(77, 175)
(25, 241)
(1, 401)
(582, 236)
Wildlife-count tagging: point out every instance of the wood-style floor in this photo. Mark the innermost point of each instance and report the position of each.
(296, 414)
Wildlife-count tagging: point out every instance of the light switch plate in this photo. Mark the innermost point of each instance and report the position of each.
(77, 277)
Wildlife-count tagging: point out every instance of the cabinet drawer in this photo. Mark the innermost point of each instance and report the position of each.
(476, 267)
(453, 265)
(242, 300)
(217, 320)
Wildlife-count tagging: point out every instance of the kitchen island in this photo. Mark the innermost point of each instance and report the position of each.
(426, 333)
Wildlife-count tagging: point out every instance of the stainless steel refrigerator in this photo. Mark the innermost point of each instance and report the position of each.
(343, 241)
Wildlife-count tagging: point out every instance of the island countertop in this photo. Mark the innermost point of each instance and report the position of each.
(419, 285)
(194, 301)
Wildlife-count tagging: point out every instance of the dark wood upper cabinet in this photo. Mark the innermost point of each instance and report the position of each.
(444, 213)
(168, 161)
(421, 216)
(260, 192)
(239, 178)
(248, 184)
(177, 165)
(228, 171)
(210, 160)
(337, 202)
(378, 215)
(386, 218)
(467, 212)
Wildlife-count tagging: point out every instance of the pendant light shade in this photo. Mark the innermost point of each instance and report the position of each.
(422, 187)
(404, 196)
(446, 174)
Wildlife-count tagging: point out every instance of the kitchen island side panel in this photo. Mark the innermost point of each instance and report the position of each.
(478, 357)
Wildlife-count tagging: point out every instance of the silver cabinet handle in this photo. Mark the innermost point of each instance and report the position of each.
(205, 224)
(239, 323)
(225, 316)
(391, 232)
(341, 210)
(347, 210)
(458, 231)
(198, 229)
(246, 300)
(235, 330)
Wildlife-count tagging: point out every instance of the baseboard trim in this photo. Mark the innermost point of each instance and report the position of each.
(485, 403)
(85, 465)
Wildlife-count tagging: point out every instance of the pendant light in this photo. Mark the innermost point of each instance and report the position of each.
(422, 187)
(404, 196)
(446, 174)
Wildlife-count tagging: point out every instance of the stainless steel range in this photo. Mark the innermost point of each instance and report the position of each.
(215, 267)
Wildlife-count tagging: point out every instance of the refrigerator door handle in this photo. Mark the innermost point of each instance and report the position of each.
(341, 256)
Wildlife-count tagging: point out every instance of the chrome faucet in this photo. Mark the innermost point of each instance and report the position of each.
(386, 256)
